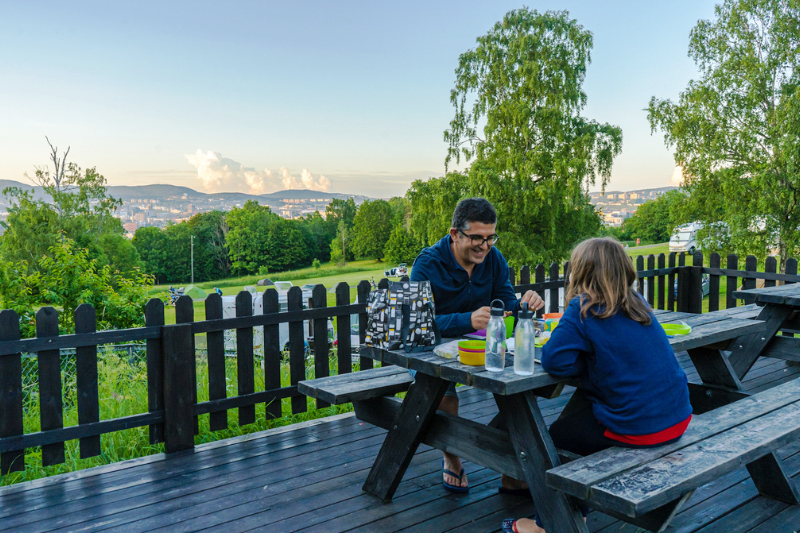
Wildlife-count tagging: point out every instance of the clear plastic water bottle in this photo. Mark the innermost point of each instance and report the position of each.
(496, 339)
(524, 342)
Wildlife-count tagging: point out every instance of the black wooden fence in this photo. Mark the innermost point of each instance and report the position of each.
(171, 356)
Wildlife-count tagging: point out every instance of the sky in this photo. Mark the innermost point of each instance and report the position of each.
(258, 96)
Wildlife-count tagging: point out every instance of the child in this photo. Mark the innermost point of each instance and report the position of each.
(637, 392)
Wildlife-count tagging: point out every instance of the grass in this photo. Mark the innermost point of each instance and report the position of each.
(122, 385)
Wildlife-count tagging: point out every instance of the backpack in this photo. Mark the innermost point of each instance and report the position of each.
(402, 316)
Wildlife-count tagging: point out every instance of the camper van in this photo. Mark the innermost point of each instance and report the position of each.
(282, 287)
(684, 238)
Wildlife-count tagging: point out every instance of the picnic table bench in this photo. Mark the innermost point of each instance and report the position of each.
(643, 487)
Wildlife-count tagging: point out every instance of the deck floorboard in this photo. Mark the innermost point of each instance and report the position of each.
(308, 478)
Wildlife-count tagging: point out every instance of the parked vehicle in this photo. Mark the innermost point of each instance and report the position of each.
(684, 238)
(229, 311)
(396, 272)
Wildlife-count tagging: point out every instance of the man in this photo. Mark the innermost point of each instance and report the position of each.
(467, 272)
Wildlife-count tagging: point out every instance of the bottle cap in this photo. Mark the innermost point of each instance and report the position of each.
(498, 311)
(525, 313)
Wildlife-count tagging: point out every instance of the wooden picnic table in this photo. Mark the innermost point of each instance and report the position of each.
(524, 449)
(780, 311)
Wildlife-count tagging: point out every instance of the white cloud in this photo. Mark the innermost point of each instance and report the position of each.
(219, 174)
(677, 176)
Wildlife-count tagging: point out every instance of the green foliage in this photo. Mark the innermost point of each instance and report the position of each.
(341, 239)
(403, 246)
(371, 228)
(79, 209)
(316, 264)
(319, 234)
(654, 220)
(535, 156)
(339, 211)
(736, 130)
(65, 278)
(263, 270)
(258, 237)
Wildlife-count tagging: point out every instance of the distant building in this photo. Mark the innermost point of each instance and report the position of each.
(131, 227)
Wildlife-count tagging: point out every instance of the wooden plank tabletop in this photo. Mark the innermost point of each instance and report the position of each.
(706, 329)
(780, 294)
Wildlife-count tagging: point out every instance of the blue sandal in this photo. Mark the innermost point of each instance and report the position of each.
(453, 488)
(508, 525)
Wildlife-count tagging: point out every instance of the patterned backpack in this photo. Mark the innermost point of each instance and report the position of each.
(402, 317)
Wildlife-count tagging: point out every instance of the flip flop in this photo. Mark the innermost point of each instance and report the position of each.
(453, 488)
(509, 525)
(514, 492)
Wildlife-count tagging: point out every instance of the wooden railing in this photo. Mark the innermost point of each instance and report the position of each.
(171, 360)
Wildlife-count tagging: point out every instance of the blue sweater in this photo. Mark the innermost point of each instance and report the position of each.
(628, 370)
(455, 294)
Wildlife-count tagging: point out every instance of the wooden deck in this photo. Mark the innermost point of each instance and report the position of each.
(308, 478)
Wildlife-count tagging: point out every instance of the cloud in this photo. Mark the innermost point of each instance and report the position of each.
(677, 176)
(220, 174)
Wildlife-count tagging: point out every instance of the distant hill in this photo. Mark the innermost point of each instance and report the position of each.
(164, 191)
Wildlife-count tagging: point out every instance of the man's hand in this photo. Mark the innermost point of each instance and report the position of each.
(480, 318)
(535, 301)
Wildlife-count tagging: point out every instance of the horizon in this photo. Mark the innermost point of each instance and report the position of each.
(260, 97)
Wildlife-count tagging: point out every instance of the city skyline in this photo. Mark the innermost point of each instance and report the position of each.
(349, 98)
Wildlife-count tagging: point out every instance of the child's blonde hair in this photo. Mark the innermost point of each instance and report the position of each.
(603, 275)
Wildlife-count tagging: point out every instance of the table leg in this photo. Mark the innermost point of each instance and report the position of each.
(714, 368)
(404, 435)
(746, 349)
(537, 454)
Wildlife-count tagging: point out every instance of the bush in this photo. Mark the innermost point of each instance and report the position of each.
(316, 264)
(263, 270)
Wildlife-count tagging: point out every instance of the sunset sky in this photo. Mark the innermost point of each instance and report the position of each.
(348, 96)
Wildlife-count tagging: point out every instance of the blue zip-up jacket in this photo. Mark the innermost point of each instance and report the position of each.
(628, 370)
(455, 294)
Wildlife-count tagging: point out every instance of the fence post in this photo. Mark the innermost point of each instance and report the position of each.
(154, 316)
(297, 360)
(639, 280)
(661, 288)
(51, 411)
(319, 300)
(539, 273)
(272, 353)
(671, 283)
(343, 347)
(770, 266)
(86, 377)
(245, 373)
(364, 287)
(690, 292)
(215, 355)
(731, 264)
(554, 268)
(651, 280)
(184, 314)
(11, 394)
(713, 284)
(512, 276)
(179, 386)
(525, 275)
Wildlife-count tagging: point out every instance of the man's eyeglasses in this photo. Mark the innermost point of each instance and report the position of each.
(478, 240)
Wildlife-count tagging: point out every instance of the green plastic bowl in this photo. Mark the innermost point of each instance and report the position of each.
(472, 346)
(676, 329)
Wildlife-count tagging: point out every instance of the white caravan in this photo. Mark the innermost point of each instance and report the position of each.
(684, 238)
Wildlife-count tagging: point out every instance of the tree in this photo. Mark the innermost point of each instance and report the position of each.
(371, 228)
(79, 209)
(518, 97)
(68, 277)
(211, 259)
(341, 211)
(339, 242)
(654, 220)
(320, 234)
(247, 237)
(151, 243)
(403, 246)
(736, 130)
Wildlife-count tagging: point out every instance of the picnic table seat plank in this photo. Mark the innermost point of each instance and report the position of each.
(635, 482)
(661, 481)
(578, 477)
(346, 388)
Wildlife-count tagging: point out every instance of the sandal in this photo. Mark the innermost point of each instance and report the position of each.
(509, 525)
(453, 488)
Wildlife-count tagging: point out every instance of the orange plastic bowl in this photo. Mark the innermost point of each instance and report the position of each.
(552, 315)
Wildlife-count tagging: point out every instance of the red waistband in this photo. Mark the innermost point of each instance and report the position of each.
(672, 432)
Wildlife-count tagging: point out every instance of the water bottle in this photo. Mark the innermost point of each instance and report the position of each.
(496, 339)
(524, 342)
